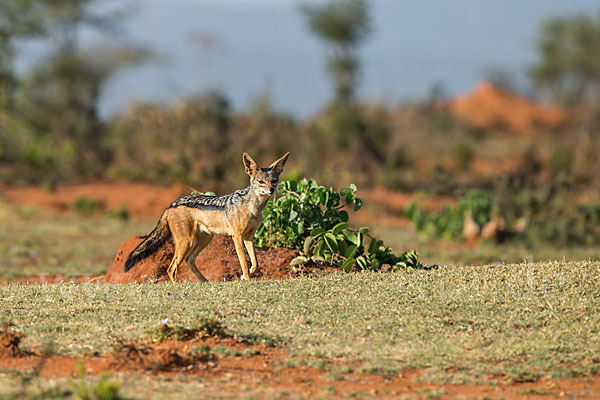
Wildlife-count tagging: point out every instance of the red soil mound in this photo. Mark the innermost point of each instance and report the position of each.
(489, 107)
(217, 262)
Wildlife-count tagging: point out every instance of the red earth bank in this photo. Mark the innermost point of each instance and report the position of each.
(217, 262)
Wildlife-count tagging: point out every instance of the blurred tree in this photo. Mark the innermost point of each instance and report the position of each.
(568, 72)
(501, 78)
(18, 19)
(60, 99)
(343, 24)
(60, 95)
(188, 142)
(568, 68)
(264, 130)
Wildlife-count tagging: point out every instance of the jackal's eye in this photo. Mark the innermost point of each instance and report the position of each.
(261, 181)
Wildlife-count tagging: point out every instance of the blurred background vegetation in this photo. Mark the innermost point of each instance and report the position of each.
(536, 158)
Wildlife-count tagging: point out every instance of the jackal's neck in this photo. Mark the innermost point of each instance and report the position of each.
(254, 200)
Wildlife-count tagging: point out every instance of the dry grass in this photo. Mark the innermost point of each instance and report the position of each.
(458, 324)
(34, 241)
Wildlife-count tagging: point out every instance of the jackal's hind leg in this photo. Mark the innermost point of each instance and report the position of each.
(200, 242)
(180, 254)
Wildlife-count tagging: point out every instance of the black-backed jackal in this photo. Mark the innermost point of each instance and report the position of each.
(192, 221)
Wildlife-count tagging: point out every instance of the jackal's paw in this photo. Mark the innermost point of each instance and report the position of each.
(243, 278)
(252, 270)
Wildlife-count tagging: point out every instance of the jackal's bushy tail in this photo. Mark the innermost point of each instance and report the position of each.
(159, 235)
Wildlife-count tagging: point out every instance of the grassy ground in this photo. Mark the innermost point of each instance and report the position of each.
(128, 387)
(458, 324)
(34, 240)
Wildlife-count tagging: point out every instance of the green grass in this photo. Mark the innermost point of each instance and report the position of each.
(521, 321)
(34, 241)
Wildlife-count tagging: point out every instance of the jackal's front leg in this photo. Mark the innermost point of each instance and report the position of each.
(239, 249)
(250, 247)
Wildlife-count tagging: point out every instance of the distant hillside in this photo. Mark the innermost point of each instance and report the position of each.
(488, 107)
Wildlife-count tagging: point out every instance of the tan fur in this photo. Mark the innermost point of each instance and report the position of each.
(193, 228)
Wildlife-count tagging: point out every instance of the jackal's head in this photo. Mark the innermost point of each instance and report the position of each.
(264, 180)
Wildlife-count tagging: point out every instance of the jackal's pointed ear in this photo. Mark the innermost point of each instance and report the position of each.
(278, 165)
(250, 165)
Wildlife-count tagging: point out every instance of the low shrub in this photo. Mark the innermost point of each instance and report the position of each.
(312, 218)
(464, 154)
(86, 205)
(449, 223)
(543, 212)
(201, 328)
(203, 353)
(550, 213)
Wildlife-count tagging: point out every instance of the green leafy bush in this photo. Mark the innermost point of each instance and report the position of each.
(448, 224)
(561, 160)
(548, 212)
(312, 218)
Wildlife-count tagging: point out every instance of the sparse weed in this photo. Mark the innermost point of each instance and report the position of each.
(251, 352)
(86, 205)
(376, 370)
(119, 213)
(260, 338)
(202, 327)
(336, 377)
(535, 392)
(203, 352)
(226, 351)
(206, 326)
(103, 389)
(319, 364)
(165, 332)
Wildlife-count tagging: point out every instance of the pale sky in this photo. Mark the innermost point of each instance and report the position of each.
(247, 47)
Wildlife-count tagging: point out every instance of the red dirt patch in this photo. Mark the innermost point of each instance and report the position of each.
(217, 262)
(140, 199)
(264, 369)
(169, 357)
(133, 356)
